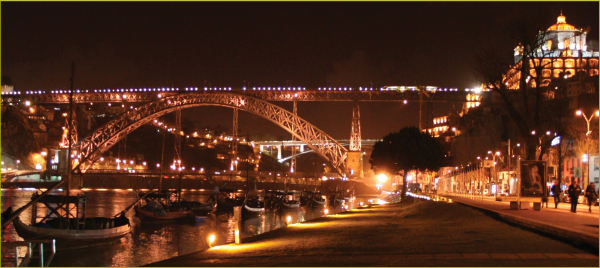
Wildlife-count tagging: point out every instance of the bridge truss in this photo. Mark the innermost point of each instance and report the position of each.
(91, 147)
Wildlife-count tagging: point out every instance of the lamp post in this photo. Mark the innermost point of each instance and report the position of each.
(509, 156)
(587, 120)
(479, 177)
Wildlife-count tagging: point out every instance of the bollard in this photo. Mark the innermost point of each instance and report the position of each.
(237, 218)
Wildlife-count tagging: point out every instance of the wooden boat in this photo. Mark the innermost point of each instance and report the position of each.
(227, 199)
(287, 202)
(151, 216)
(106, 230)
(306, 198)
(201, 209)
(336, 199)
(317, 200)
(272, 200)
(159, 207)
(253, 207)
(74, 231)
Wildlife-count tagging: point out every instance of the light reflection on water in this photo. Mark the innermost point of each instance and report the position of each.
(151, 242)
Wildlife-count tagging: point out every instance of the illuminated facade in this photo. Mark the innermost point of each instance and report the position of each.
(563, 51)
(440, 125)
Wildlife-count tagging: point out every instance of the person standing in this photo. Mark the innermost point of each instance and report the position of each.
(590, 193)
(556, 193)
(574, 192)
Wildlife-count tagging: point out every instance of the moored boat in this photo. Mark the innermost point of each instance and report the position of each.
(253, 207)
(147, 215)
(306, 198)
(317, 200)
(336, 198)
(74, 231)
(228, 199)
(288, 203)
(159, 207)
(104, 230)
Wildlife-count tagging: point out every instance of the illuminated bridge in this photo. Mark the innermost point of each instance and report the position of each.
(142, 105)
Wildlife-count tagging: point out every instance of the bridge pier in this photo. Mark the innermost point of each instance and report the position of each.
(279, 152)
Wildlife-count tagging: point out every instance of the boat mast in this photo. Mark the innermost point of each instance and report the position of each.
(162, 159)
(69, 131)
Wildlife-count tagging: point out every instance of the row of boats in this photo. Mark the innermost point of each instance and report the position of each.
(65, 218)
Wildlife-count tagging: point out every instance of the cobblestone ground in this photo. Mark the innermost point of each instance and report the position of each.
(418, 234)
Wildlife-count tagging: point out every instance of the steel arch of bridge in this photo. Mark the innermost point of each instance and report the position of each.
(91, 147)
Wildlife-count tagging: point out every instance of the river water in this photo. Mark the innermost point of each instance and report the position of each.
(152, 242)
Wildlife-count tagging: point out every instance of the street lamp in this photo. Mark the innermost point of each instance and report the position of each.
(587, 120)
(508, 160)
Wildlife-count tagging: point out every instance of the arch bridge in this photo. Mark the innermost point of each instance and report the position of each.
(91, 147)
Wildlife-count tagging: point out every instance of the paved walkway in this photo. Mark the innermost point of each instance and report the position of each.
(580, 227)
(417, 234)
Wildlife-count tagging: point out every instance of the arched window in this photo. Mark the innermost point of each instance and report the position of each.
(546, 63)
(569, 63)
(549, 44)
(546, 73)
(558, 63)
(557, 73)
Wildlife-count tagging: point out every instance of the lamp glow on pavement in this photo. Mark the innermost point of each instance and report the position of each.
(211, 239)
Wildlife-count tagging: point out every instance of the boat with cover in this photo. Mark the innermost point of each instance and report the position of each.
(336, 199)
(253, 206)
(67, 229)
(306, 198)
(227, 199)
(318, 201)
(288, 203)
(272, 199)
(162, 206)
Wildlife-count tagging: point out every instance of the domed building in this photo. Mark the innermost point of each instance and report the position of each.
(562, 51)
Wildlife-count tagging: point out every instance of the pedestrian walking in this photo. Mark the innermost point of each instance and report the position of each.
(556, 193)
(590, 193)
(574, 192)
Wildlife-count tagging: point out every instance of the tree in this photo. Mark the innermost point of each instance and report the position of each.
(406, 150)
(521, 85)
(16, 129)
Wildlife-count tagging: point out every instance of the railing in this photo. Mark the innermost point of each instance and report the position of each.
(210, 173)
(30, 246)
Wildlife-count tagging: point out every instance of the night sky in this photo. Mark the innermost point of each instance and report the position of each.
(123, 45)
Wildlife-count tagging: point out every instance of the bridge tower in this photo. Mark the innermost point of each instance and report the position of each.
(65, 140)
(354, 160)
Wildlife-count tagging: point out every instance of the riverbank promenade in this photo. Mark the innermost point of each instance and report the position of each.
(419, 233)
(580, 228)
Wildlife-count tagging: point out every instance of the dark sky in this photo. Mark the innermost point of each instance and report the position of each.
(267, 44)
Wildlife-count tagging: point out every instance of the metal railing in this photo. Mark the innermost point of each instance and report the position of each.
(30, 247)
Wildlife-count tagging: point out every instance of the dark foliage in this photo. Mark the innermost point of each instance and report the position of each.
(406, 150)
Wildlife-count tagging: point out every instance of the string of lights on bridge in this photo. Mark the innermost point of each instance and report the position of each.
(230, 89)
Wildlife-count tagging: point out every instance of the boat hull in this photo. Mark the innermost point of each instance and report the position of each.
(149, 216)
(248, 211)
(288, 206)
(317, 203)
(67, 238)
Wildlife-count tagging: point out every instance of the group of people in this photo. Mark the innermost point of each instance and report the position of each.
(574, 192)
